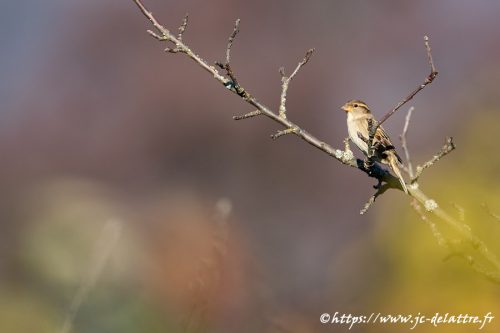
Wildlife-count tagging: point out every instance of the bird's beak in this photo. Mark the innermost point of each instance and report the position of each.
(345, 108)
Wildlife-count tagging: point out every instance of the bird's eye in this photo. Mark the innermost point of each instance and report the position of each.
(355, 105)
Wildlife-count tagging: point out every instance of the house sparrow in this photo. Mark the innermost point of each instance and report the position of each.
(358, 114)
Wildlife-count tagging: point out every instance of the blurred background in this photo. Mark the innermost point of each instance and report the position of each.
(130, 201)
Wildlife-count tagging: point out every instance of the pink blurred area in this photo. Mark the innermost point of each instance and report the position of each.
(97, 122)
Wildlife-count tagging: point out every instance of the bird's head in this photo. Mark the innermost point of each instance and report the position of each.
(355, 106)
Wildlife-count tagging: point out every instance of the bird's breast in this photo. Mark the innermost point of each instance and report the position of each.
(355, 126)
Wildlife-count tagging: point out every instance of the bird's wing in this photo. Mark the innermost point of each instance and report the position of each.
(385, 142)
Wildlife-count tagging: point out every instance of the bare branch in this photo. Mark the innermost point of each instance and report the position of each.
(248, 115)
(346, 157)
(286, 81)
(427, 81)
(447, 148)
(404, 144)
(151, 18)
(231, 40)
(429, 55)
(168, 37)
(232, 83)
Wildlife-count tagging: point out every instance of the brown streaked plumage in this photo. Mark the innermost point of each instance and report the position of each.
(358, 114)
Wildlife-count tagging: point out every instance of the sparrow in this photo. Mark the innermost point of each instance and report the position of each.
(358, 114)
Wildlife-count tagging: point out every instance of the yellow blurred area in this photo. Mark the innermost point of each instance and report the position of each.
(425, 277)
(23, 311)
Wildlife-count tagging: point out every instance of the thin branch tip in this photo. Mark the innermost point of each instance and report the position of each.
(183, 27)
(248, 115)
(231, 39)
(309, 54)
(428, 80)
(434, 72)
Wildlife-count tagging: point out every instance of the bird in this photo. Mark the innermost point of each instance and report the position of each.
(358, 114)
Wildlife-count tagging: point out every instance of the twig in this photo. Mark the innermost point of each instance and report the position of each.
(166, 36)
(380, 190)
(248, 115)
(286, 81)
(427, 81)
(236, 30)
(447, 148)
(233, 83)
(283, 132)
(404, 143)
(338, 154)
(183, 27)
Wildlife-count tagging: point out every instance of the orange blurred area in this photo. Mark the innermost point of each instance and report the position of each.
(130, 201)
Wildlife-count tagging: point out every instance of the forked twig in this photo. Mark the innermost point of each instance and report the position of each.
(286, 81)
(346, 158)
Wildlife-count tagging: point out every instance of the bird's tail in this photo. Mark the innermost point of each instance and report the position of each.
(393, 162)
